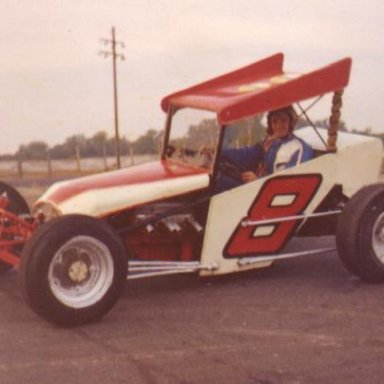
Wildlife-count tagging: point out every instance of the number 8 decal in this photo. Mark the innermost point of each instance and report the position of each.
(279, 198)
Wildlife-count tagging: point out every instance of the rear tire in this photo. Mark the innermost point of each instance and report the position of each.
(360, 234)
(18, 206)
(73, 270)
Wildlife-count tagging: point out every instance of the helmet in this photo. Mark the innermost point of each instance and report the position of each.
(289, 111)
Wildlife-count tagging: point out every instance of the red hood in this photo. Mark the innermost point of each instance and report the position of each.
(159, 177)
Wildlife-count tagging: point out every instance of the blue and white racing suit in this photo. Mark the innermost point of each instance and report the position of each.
(286, 153)
(281, 154)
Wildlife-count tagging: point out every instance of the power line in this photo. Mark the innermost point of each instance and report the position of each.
(115, 55)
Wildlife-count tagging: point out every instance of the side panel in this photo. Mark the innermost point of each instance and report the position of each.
(352, 167)
(280, 196)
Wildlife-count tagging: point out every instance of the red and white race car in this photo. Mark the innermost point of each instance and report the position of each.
(74, 249)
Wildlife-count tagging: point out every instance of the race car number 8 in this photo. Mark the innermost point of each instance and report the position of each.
(280, 197)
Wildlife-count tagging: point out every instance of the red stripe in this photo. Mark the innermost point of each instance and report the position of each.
(150, 172)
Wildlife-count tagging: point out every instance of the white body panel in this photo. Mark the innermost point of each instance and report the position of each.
(104, 194)
(102, 201)
(99, 202)
(356, 163)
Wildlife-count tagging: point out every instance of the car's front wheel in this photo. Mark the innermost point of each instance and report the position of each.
(73, 270)
(360, 234)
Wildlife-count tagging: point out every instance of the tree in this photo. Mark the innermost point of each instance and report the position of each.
(70, 148)
(204, 133)
(96, 146)
(245, 132)
(147, 143)
(36, 150)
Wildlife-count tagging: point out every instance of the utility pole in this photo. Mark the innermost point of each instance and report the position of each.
(114, 56)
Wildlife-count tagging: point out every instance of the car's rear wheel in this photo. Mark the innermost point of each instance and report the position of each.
(18, 206)
(73, 270)
(360, 234)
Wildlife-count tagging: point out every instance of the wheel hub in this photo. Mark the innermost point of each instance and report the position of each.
(78, 271)
(81, 272)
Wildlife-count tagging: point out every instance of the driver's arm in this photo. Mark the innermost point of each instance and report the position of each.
(246, 158)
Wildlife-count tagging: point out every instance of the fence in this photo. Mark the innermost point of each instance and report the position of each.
(72, 167)
(62, 168)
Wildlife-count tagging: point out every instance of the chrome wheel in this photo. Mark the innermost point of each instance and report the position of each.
(378, 238)
(81, 272)
(360, 234)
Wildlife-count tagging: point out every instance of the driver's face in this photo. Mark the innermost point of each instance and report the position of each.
(280, 125)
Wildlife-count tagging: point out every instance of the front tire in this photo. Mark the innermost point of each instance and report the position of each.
(73, 270)
(360, 234)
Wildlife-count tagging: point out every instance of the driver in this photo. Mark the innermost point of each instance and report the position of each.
(281, 149)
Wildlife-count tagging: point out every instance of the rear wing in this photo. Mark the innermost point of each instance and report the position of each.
(264, 86)
(259, 87)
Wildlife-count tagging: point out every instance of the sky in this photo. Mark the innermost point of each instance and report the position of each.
(54, 83)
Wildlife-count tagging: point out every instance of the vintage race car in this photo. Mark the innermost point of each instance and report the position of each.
(74, 249)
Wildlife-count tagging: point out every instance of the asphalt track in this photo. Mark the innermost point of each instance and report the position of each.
(301, 321)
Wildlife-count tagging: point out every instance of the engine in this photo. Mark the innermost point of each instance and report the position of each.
(163, 237)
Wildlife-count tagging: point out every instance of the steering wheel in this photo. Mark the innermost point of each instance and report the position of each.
(231, 169)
